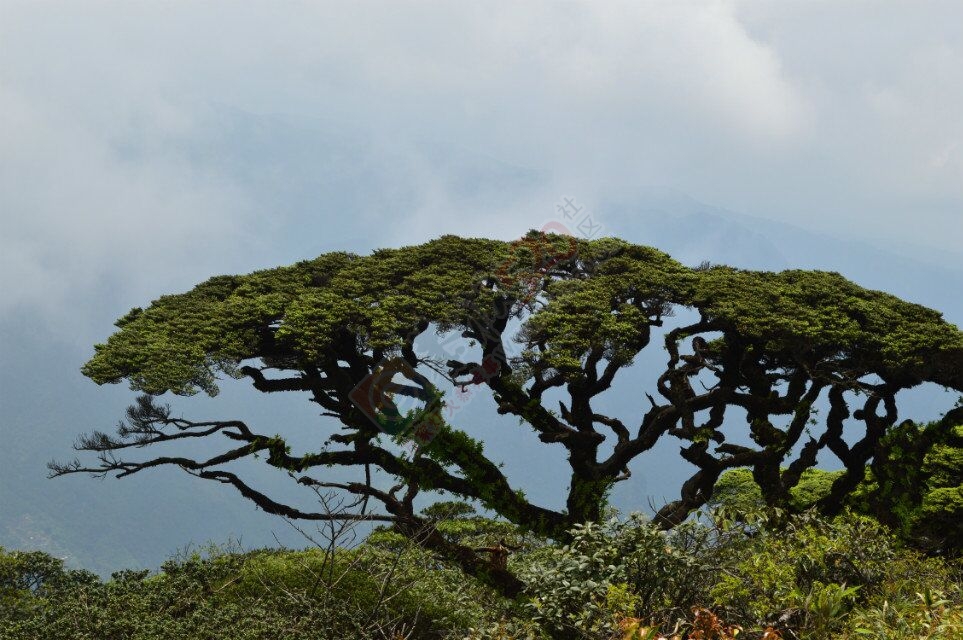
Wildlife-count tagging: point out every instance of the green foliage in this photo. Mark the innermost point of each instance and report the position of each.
(916, 483)
(738, 492)
(368, 592)
(181, 342)
(811, 570)
(607, 572)
(448, 510)
(930, 615)
(802, 577)
(824, 311)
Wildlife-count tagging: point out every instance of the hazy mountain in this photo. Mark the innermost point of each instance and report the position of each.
(693, 231)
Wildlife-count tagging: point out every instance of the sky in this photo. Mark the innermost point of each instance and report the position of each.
(145, 146)
(830, 116)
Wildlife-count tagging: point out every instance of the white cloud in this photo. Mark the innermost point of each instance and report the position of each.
(78, 216)
(885, 84)
(819, 114)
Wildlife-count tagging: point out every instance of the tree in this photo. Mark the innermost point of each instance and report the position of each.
(914, 485)
(761, 348)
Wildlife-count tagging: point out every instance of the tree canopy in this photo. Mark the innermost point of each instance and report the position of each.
(548, 316)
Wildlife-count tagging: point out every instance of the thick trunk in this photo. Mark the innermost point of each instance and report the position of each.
(498, 578)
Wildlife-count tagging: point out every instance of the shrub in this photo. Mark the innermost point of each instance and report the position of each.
(609, 571)
(807, 573)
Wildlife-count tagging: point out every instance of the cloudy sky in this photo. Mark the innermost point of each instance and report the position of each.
(830, 116)
(145, 146)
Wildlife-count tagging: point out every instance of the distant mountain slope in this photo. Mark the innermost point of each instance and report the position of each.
(693, 231)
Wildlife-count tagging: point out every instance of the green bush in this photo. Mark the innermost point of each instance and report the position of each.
(806, 573)
(369, 592)
(608, 571)
(914, 485)
(805, 576)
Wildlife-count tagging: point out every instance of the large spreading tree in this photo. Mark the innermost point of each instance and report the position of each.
(548, 317)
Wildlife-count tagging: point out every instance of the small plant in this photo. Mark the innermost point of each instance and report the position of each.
(932, 616)
(825, 605)
(707, 626)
